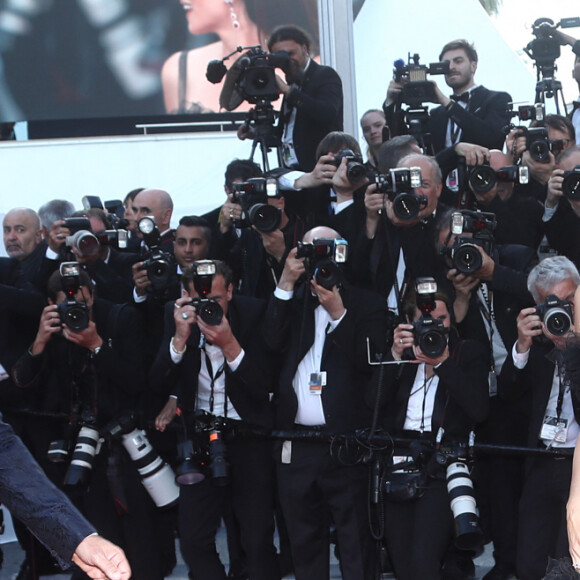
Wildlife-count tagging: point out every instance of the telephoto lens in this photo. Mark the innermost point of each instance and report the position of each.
(218, 464)
(79, 470)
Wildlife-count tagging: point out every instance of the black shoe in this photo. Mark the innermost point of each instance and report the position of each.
(499, 573)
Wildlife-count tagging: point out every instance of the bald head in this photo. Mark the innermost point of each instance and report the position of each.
(22, 232)
(156, 203)
(321, 232)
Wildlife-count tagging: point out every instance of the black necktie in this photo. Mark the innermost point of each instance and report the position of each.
(462, 98)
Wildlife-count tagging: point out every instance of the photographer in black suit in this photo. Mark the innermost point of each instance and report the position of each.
(535, 370)
(312, 104)
(220, 373)
(473, 114)
(321, 327)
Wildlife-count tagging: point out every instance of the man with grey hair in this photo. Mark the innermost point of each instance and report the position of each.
(534, 370)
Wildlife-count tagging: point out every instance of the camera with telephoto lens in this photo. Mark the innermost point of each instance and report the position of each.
(323, 259)
(81, 240)
(257, 78)
(399, 185)
(465, 253)
(156, 476)
(556, 315)
(416, 88)
(356, 172)
(86, 447)
(208, 309)
(159, 265)
(73, 313)
(483, 178)
(571, 184)
(253, 196)
(430, 333)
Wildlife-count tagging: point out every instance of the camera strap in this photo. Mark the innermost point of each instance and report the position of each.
(213, 378)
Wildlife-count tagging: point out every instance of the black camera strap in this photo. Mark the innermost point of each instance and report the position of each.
(213, 378)
(486, 308)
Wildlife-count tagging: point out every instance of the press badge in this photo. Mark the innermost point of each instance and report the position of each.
(554, 429)
(316, 382)
(289, 155)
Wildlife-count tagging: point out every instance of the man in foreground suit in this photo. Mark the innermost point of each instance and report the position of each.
(321, 389)
(33, 499)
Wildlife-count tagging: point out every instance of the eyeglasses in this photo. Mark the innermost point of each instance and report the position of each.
(558, 145)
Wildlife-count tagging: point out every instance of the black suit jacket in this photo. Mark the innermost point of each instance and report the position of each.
(461, 399)
(534, 381)
(563, 232)
(247, 387)
(344, 356)
(319, 110)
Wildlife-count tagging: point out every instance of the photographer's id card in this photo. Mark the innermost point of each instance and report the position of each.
(289, 156)
(554, 430)
(316, 382)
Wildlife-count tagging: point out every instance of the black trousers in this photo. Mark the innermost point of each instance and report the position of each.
(251, 493)
(543, 516)
(418, 533)
(315, 490)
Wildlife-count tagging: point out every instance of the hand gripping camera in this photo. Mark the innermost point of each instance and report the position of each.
(483, 178)
(253, 196)
(430, 333)
(399, 185)
(73, 313)
(208, 309)
(323, 257)
(465, 253)
(556, 315)
(356, 172)
(571, 184)
(160, 265)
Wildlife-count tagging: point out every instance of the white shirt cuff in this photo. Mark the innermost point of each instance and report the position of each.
(549, 213)
(51, 254)
(138, 299)
(334, 323)
(283, 294)
(520, 358)
(237, 361)
(287, 180)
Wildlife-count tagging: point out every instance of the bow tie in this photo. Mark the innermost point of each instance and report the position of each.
(463, 97)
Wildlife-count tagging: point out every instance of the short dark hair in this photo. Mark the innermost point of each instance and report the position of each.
(336, 141)
(100, 214)
(191, 221)
(560, 123)
(243, 169)
(54, 284)
(132, 194)
(393, 150)
(289, 32)
(411, 302)
(221, 268)
(460, 43)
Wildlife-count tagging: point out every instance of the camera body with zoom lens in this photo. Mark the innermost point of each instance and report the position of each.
(356, 172)
(157, 476)
(208, 309)
(399, 185)
(430, 333)
(483, 178)
(159, 265)
(571, 184)
(323, 259)
(253, 196)
(257, 79)
(416, 88)
(74, 314)
(465, 253)
(537, 142)
(556, 315)
(87, 446)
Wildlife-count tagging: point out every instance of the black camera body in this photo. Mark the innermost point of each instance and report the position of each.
(159, 265)
(323, 257)
(535, 112)
(356, 171)
(81, 240)
(430, 333)
(418, 89)
(556, 315)
(537, 142)
(571, 184)
(399, 185)
(465, 254)
(252, 196)
(208, 309)
(257, 80)
(483, 178)
(74, 314)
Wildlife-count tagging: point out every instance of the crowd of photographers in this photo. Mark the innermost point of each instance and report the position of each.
(328, 352)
